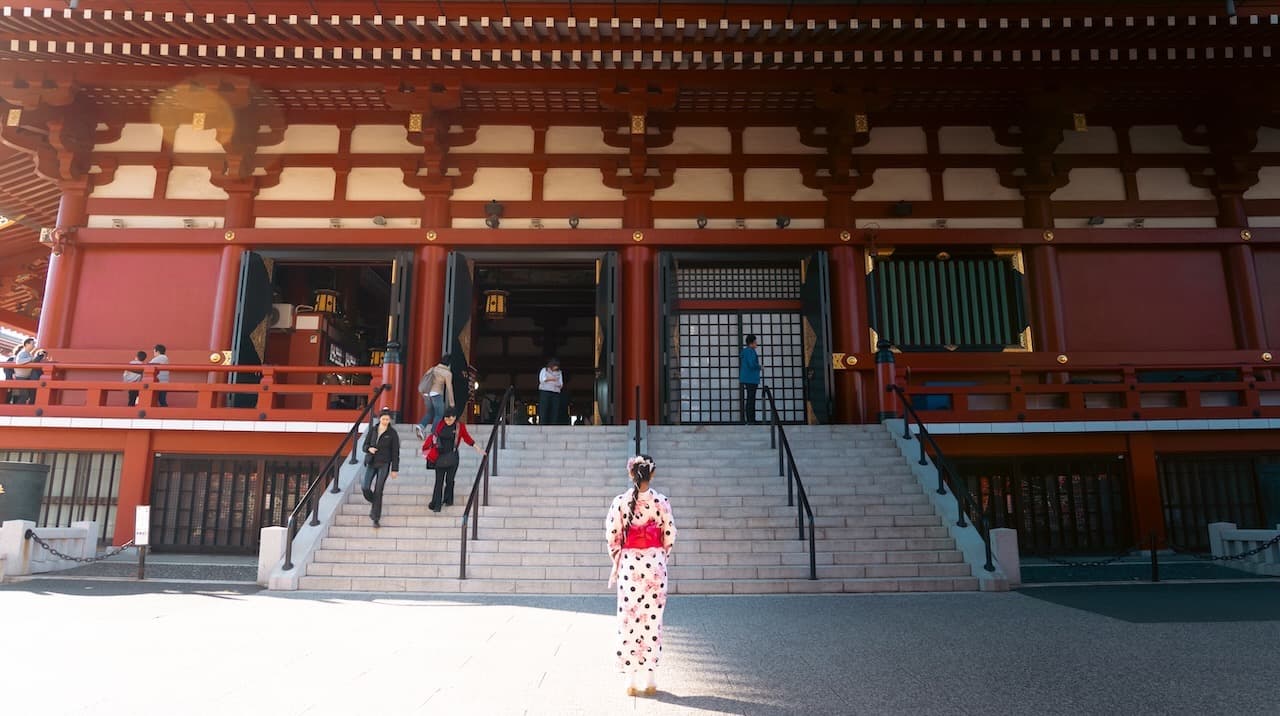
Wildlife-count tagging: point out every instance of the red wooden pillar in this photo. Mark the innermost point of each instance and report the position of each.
(1242, 277)
(428, 303)
(135, 482)
(1049, 329)
(63, 274)
(849, 329)
(1147, 510)
(637, 349)
(224, 300)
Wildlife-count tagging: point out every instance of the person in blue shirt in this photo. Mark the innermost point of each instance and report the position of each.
(749, 379)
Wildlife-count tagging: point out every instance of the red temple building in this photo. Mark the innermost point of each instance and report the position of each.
(1060, 220)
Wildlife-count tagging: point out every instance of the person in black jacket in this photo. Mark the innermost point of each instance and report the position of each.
(382, 459)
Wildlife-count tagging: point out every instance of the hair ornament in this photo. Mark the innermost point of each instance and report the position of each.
(639, 460)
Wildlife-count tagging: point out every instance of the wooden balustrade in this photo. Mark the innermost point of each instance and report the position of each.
(98, 390)
(1041, 387)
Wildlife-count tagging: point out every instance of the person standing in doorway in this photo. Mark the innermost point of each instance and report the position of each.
(436, 388)
(158, 357)
(381, 460)
(749, 379)
(640, 531)
(135, 376)
(550, 383)
(444, 441)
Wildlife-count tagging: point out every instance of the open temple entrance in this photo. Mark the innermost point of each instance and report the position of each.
(318, 309)
(508, 313)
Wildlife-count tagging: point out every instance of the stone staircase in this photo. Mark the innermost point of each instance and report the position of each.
(543, 531)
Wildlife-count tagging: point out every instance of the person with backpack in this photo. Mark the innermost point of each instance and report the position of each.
(436, 388)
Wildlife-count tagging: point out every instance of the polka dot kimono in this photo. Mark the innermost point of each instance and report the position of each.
(641, 578)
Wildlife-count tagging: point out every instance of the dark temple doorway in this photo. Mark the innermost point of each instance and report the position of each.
(526, 308)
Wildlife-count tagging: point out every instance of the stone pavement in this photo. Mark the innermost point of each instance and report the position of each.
(126, 648)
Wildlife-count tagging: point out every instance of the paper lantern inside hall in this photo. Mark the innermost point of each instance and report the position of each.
(495, 304)
(326, 301)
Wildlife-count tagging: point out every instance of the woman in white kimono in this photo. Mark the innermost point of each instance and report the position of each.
(640, 532)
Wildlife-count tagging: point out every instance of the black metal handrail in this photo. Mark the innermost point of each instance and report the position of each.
(637, 411)
(488, 465)
(948, 478)
(795, 486)
(328, 475)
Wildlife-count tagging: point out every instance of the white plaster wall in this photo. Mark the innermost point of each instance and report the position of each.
(381, 139)
(576, 184)
(499, 139)
(1268, 140)
(990, 222)
(1181, 222)
(98, 221)
(135, 138)
(579, 140)
(1268, 186)
(775, 140)
(379, 184)
(189, 140)
(130, 182)
(795, 224)
(192, 183)
(306, 139)
(975, 185)
(1092, 184)
(303, 183)
(698, 185)
(692, 223)
(1164, 183)
(1264, 222)
(500, 184)
(897, 185)
(350, 222)
(895, 140)
(971, 140)
(698, 140)
(1098, 140)
(777, 185)
(1157, 139)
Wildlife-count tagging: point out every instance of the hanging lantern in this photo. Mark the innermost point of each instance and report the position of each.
(376, 355)
(495, 304)
(326, 301)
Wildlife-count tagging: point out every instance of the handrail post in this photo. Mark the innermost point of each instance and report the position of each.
(886, 376)
(485, 468)
(791, 478)
(923, 459)
(475, 520)
(462, 557)
(800, 515)
(288, 544)
(637, 411)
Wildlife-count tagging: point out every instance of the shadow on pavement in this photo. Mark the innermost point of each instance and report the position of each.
(1170, 603)
(715, 704)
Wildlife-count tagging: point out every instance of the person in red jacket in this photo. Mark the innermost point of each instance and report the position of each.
(443, 442)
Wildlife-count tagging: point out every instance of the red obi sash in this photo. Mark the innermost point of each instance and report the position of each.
(644, 536)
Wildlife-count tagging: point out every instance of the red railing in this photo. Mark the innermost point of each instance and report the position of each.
(98, 390)
(1040, 387)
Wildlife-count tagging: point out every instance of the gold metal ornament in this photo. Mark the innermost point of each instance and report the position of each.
(197, 121)
(229, 236)
(845, 236)
(1079, 123)
(14, 118)
(215, 357)
(1048, 236)
(860, 124)
(1267, 356)
(1062, 358)
(1245, 234)
(637, 124)
(415, 122)
(638, 236)
(432, 236)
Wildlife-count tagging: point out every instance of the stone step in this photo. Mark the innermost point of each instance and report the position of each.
(601, 572)
(678, 558)
(771, 528)
(420, 542)
(703, 586)
(356, 515)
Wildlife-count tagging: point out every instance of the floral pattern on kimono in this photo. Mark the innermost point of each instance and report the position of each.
(641, 578)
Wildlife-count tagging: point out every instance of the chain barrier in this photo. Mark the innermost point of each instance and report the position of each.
(1097, 563)
(1230, 557)
(31, 535)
